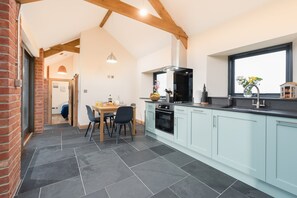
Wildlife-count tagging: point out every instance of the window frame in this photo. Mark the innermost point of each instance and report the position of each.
(289, 66)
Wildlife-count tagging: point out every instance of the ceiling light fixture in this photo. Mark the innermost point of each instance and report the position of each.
(143, 11)
(111, 59)
(62, 70)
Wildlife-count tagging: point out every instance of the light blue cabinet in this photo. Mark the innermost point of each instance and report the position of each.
(150, 117)
(239, 141)
(199, 138)
(282, 153)
(181, 125)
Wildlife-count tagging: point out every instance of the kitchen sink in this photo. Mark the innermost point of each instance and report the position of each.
(246, 109)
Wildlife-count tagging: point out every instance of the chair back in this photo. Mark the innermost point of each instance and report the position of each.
(124, 114)
(90, 113)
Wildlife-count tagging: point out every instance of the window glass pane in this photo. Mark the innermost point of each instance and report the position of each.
(162, 78)
(271, 67)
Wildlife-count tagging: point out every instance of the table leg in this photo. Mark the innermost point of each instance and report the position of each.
(134, 122)
(101, 126)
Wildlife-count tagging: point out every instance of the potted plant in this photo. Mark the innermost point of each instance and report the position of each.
(155, 96)
(248, 84)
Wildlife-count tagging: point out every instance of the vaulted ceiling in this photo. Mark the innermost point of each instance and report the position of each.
(53, 22)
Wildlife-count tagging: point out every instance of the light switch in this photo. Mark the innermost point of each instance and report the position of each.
(85, 91)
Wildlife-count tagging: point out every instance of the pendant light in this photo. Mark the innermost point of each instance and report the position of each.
(111, 59)
(62, 70)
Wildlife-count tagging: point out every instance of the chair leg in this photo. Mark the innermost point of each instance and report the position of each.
(117, 134)
(125, 129)
(130, 127)
(88, 129)
(92, 130)
(113, 127)
(107, 128)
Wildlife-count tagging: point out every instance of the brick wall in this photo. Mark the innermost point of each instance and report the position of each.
(10, 101)
(45, 95)
(39, 93)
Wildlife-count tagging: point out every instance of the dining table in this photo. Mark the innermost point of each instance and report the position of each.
(111, 108)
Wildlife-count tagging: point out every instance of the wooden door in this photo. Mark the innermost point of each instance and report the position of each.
(70, 103)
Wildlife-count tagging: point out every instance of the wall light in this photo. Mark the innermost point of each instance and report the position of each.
(62, 70)
(111, 59)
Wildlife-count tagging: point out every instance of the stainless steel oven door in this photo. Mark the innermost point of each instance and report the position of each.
(165, 120)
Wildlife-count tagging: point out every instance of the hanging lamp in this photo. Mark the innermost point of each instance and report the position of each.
(62, 70)
(111, 59)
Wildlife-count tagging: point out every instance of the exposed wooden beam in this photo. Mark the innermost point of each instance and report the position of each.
(132, 12)
(163, 13)
(26, 1)
(107, 15)
(70, 47)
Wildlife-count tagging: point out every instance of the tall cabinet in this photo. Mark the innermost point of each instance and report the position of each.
(150, 117)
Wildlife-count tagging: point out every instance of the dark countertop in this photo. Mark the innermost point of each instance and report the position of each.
(261, 111)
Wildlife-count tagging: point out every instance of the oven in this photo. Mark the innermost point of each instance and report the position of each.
(165, 118)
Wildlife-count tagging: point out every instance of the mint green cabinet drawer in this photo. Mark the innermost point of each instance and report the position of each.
(282, 153)
(239, 141)
(200, 131)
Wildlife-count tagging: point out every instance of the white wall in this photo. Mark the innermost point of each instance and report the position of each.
(95, 45)
(267, 26)
(60, 95)
(68, 63)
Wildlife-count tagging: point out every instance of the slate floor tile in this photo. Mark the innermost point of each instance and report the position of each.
(138, 157)
(124, 149)
(162, 149)
(158, 174)
(249, 191)
(214, 178)
(96, 157)
(166, 193)
(70, 188)
(107, 172)
(26, 158)
(122, 189)
(86, 149)
(29, 194)
(107, 144)
(46, 174)
(192, 188)
(52, 154)
(178, 158)
(98, 194)
(232, 193)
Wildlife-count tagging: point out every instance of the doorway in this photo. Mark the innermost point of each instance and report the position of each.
(62, 104)
(27, 96)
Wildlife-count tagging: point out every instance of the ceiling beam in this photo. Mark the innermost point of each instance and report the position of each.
(70, 47)
(107, 15)
(164, 14)
(132, 12)
(26, 1)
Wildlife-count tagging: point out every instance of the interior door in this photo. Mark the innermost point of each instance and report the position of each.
(70, 105)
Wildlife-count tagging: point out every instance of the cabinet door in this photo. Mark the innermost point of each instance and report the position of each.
(181, 125)
(282, 153)
(150, 117)
(239, 141)
(200, 131)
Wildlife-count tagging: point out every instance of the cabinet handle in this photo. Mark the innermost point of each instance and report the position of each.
(287, 123)
(200, 111)
(180, 110)
(214, 121)
(175, 123)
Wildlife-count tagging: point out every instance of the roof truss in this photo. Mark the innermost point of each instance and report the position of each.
(70, 47)
(166, 23)
(26, 1)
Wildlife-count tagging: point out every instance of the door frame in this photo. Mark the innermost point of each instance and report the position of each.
(50, 95)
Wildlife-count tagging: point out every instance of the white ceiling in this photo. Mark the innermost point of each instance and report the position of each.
(58, 21)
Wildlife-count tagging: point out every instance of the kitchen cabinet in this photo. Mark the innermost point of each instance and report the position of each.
(150, 117)
(181, 125)
(199, 138)
(282, 153)
(239, 141)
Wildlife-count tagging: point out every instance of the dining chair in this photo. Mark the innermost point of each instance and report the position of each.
(93, 120)
(123, 116)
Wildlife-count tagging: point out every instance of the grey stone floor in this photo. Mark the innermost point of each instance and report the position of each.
(62, 163)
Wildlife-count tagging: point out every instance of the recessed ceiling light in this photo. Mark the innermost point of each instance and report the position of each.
(143, 12)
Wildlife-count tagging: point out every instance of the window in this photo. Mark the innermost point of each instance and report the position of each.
(162, 78)
(272, 64)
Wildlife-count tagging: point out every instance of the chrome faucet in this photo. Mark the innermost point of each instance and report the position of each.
(257, 104)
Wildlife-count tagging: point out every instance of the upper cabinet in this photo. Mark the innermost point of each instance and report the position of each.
(239, 141)
(150, 117)
(282, 153)
(199, 139)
